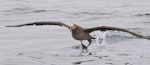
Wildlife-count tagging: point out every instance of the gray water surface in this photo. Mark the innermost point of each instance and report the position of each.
(52, 45)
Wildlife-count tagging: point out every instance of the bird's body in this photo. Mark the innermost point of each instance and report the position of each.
(80, 33)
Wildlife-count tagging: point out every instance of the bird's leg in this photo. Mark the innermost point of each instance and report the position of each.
(84, 48)
(89, 44)
(90, 41)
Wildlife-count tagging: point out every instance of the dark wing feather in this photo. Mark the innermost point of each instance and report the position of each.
(104, 28)
(147, 37)
(40, 23)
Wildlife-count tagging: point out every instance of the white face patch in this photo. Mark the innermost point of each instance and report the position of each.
(72, 26)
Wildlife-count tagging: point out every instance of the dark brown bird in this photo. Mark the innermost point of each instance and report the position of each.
(80, 33)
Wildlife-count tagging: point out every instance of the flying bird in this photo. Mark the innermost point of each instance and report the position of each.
(80, 33)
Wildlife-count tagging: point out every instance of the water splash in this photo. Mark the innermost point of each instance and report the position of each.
(100, 38)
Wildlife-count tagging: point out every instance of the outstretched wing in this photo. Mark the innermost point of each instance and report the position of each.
(104, 28)
(41, 23)
(147, 37)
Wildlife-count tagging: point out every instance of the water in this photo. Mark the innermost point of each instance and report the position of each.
(74, 11)
(53, 43)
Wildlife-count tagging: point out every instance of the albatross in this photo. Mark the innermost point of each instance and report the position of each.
(80, 33)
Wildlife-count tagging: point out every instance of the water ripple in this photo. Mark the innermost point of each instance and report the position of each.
(17, 10)
(90, 13)
(28, 10)
(143, 14)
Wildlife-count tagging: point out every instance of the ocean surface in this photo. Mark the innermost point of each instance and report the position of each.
(54, 45)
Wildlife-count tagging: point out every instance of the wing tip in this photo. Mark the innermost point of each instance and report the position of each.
(12, 26)
(147, 37)
(9, 26)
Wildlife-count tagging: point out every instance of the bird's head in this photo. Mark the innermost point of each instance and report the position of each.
(73, 26)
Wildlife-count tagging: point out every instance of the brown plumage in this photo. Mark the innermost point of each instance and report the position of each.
(80, 33)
